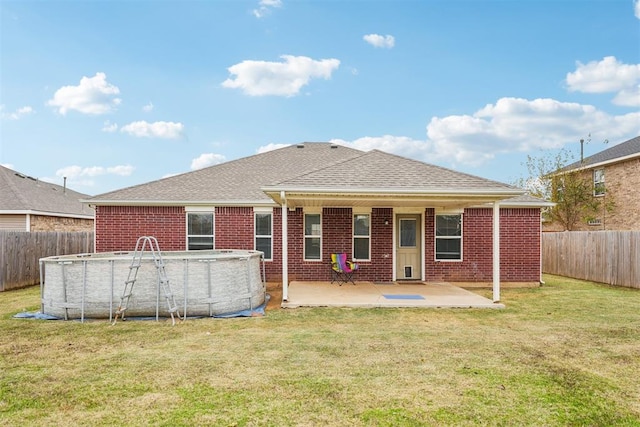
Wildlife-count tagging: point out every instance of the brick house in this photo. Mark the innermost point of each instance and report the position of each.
(28, 204)
(615, 173)
(400, 219)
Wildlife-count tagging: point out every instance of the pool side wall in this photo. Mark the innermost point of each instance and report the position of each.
(204, 283)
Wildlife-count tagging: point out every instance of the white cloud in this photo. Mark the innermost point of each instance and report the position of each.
(92, 96)
(167, 130)
(265, 7)
(636, 8)
(270, 147)
(109, 127)
(16, 115)
(376, 40)
(400, 145)
(207, 159)
(147, 108)
(510, 125)
(75, 171)
(260, 78)
(83, 176)
(516, 124)
(7, 165)
(608, 75)
(121, 170)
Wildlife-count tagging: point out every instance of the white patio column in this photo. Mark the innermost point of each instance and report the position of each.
(285, 248)
(496, 251)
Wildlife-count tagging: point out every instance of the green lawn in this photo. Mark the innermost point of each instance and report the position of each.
(567, 353)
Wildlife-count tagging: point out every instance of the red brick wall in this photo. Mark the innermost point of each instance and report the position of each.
(234, 228)
(519, 247)
(380, 268)
(118, 227)
(337, 236)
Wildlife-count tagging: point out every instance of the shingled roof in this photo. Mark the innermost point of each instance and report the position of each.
(234, 182)
(309, 166)
(23, 194)
(377, 170)
(624, 150)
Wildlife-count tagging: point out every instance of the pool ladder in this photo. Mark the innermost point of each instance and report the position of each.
(163, 280)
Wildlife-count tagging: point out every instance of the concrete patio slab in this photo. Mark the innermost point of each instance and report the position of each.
(369, 294)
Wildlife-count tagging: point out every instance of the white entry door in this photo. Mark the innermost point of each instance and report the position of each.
(408, 247)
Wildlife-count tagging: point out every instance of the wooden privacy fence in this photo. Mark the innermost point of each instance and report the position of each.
(611, 257)
(20, 252)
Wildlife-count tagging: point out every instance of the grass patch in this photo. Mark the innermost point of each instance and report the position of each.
(567, 353)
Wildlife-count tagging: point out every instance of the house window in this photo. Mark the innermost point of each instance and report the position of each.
(361, 236)
(312, 237)
(448, 237)
(598, 182)
(200, 231)
(263, 233)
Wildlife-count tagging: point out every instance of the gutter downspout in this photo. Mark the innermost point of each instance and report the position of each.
(496, 251)
(285, 248)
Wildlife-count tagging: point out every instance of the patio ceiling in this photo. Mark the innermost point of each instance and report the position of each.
(395, 198)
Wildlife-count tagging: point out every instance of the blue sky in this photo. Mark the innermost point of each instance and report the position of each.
(117, 93)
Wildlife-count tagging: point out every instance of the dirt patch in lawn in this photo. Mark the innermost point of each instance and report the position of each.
(274, 290)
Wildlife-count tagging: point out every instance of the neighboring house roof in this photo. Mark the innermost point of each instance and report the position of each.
(311, 168)
(624, 151)
(22, 194)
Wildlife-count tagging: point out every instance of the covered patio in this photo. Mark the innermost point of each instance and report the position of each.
(397, 294)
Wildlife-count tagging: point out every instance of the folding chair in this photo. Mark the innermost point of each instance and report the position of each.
(342, 271)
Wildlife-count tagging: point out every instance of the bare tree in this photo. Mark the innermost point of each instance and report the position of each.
(571, 189)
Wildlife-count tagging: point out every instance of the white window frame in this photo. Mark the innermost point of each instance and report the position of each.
(361, 237)
(598, 182)
(257, 236)
(311, 236)
(436, 237)
(213, 223)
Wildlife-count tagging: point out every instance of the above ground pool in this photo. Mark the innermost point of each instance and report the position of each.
(202, 283)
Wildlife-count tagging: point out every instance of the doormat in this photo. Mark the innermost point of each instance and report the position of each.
(402, 296)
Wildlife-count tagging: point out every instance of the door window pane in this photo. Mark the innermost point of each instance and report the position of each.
(408, 233)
